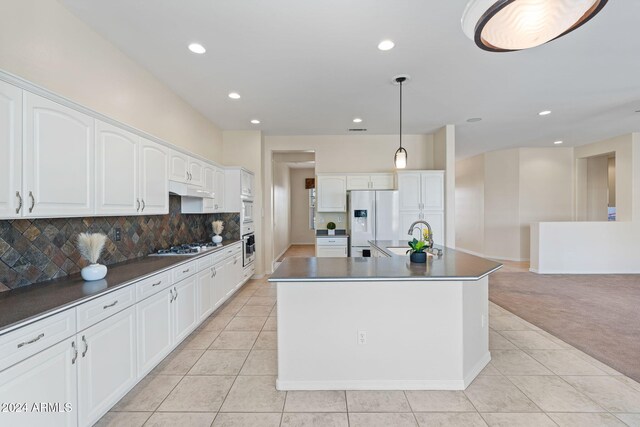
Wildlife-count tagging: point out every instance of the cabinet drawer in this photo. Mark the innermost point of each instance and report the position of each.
(205, 262)
(227, 252)
(249, 271)
(330, 241)
(151, 285)
(24, 342)
(99, 309)
(185, 270)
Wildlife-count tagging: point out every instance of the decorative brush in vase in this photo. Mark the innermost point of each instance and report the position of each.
(218, 227)
(90, 246)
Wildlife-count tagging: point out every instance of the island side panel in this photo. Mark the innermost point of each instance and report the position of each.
(414, 335)
(475, 311)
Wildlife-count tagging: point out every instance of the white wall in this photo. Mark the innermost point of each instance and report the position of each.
(444, 150)
(281, 212)
(597, 188)
(301, 234)
(42, 42)
(470, 204)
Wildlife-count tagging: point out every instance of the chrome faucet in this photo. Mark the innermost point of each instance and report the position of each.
(413, 227)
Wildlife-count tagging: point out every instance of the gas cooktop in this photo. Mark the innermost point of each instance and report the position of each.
(187, 249)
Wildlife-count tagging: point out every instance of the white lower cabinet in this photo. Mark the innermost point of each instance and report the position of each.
(155, 332)
(205, 293)
(48, 377)
(185, 308)
(331, 252)
(106, 364)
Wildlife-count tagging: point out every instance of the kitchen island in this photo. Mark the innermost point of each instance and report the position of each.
(382, 323)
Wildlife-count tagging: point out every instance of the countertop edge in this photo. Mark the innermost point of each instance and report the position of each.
(22, 323)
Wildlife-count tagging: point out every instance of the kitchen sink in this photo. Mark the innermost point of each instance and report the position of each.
(402, 250)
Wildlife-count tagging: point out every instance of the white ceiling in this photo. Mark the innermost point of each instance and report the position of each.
(309, 67)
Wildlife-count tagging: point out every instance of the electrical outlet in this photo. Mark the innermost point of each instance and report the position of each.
(362, 337)
(484, 320)
(340, 219)
(118, 235)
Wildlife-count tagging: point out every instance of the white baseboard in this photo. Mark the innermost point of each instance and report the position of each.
(372, 385)
(482, 363)
(282, 253)
(304, 243)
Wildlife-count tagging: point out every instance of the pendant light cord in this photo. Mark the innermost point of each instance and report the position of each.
(400, 113)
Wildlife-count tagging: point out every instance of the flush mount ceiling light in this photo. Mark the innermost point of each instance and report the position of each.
(400, 158)
(234, 95)
(357, 120)
(508, 25)
(255, 122)
(557, 142)
(386, 45)
(544, 113)
(474, 119)
(197, 48)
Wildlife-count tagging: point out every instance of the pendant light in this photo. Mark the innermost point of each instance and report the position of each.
(508, 25)
(400, 159)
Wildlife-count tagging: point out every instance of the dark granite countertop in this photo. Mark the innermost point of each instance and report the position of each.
(451, 266)
(30, 303)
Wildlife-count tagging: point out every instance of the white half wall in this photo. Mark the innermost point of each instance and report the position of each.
(44, 43)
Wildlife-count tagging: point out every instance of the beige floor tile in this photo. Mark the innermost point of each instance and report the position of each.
(178, 362)
(517, 362)
(123, 419)
(507, 323)
(181, 419)
(381, 420)
(595, 362)
(198, 394)
(564, 362)
(254, 311)
(200, 339)
(265, 292)
(266, 301)
(489, 370)
(216, 323)
(220, 362)
(229, 310)
(377, 401)
(261, 362)
(246, 324)
(267, 340)
(608, 392)
(496, 310)
(449, 419)
(235, 340)
(628, 381)
(498, 342)
(439, 401)
(148, 394)
(498, 394)
(632, 420)
(271, 324)
(247, 420)
(254, 394)
(316, 401)
(553, 394)
(555, 339)
(530, 340)
(586, 420)
(314, 420)
(518, 420)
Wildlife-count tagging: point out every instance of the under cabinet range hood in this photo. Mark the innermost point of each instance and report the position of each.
(185, 190)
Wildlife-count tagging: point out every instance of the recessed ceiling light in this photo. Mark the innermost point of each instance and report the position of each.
(357, 120)
(234, 95)
(255, 122)
(197, 48)
(386, 45)
(474, 119)
(557, 142)
(544, 113)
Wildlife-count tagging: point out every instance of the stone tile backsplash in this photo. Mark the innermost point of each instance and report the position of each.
(35, 250)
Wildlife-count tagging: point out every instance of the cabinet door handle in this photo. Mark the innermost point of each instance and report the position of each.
(186, 271)
(33, 201)
(176, 291)
(144, 205)
(171, 293)
(86, 346)
(75, 352)
(157, 283)
(31, 341)
(19, 202)
(213, 273)
(110, 305)
(235, 261)
(137, 205)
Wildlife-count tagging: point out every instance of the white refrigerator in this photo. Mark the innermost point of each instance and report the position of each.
(373, 215)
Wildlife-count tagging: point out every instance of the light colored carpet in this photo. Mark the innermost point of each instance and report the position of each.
(599, 314)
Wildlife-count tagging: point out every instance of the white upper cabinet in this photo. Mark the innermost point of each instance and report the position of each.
(117, 171)
(378, 181)
(154, 185)
(178, 166)
(331, 193)
(246, 184)
(11, 196)
(196, 172)
(421, 190)
(219, 182)
(59, 159)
